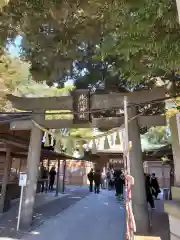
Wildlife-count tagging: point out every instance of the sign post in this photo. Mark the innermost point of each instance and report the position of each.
(22, 184)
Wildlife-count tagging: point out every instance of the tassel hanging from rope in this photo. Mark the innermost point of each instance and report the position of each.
(106, 143)
(117, 142)
(69, 147)
(47, 140)
(94, 147)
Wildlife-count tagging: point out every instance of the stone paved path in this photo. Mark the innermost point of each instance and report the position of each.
(160, 224)
(92, 218)
(8, 221)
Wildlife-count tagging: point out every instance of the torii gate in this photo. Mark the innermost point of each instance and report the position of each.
(82, 104)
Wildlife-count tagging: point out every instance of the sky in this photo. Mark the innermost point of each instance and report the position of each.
(14, 49)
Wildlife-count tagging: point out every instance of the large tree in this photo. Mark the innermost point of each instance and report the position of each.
(145, 37)
(13, 72)
(158, 135)
(142, 39)
(52, 31)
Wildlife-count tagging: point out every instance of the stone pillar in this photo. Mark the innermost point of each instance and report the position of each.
(139, 200)
(33, 160)
(173, 207)
(64, 176)
(175, 141)
(58, 178)
(5, 196)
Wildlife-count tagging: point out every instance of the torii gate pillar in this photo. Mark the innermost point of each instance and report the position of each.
(139, 201)
(32, 172)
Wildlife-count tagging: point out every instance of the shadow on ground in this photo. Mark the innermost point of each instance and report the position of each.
(8, 220)
(160, 224)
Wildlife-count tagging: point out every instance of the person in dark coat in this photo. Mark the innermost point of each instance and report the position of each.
(52, 175)
(44, 178)
(148, 187)
(155, 185)
(119, 183)
(108, 178)
(91, 178)
(97, 181)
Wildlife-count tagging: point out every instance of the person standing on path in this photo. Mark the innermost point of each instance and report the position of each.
(108, 177)
(97, 181)
(112, 175)
(103, 180)
(91, 178)
(119, 184)
(52, 175)
(149, 195)
(155, 185)
(44, 179)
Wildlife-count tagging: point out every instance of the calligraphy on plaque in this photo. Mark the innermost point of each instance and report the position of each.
(81, 106)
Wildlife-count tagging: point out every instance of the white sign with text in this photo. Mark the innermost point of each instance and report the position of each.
(22, 179)
(22, 184)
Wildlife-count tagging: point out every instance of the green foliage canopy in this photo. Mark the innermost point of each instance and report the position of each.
(145, 35)
(141, 36)
(157, 135)
(52, 31)
(13, 72)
